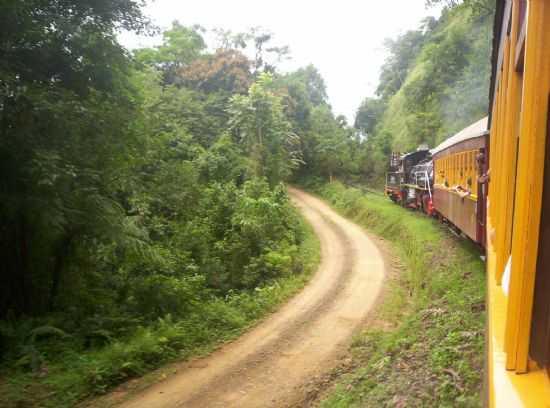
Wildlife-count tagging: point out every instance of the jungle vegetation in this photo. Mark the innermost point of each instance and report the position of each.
(143, 210)
(143, 214)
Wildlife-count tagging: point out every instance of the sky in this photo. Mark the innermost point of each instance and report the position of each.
(343, 39)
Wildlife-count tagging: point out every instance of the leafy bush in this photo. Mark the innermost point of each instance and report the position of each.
(107, 350)
(159, 295)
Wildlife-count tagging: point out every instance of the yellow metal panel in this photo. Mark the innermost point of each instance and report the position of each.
(475, 171)
(462, 163)
(460, 169)
(450, 175)
(452, 172)
(510, 134)
(455, 170)
(492, 159)
(505, 388)
(495, 160)
(529, 178)
(510, 342)
(499, 185)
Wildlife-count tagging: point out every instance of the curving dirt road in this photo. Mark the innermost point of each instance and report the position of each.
(269, 365)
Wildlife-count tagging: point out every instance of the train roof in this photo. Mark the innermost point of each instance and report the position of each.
(476, 129)
(416, 152)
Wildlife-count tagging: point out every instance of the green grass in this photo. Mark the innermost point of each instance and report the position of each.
(73, 376)
(428, 351)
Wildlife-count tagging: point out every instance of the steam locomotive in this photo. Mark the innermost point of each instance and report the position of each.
(410, 179)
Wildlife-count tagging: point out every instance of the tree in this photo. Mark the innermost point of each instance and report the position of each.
(137, 195)
(225, 70)
(369, 115)
(266, 56)
(480, 8)
(314, 84)
(259, 124)
(302, 90)
(332, 143)
(254, 43)
(180, 47)
(65, 102)
(402, 52)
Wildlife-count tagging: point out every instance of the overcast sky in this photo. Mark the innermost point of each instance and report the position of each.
(343, 38)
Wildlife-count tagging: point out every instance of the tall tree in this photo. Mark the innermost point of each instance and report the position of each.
(65, 101)
(369, 115)
(258, 122)
(332, 143)
(256, 44)
(225, 70)
(402, 53)
(181, 45)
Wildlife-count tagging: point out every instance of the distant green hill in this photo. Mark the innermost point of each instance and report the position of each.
(434, 83)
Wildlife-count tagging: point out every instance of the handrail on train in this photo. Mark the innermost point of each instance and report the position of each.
(426, 181)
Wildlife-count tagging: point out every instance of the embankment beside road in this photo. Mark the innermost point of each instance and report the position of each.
(425, 347)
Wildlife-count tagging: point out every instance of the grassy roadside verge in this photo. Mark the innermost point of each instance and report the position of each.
(74, 376)
(429, 351)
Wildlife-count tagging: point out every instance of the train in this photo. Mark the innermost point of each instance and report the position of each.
(491, 182)
(447, 181)
(409, 181)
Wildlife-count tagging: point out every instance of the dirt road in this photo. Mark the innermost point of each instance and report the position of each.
(268, 366)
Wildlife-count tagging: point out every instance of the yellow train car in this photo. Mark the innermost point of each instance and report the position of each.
(458, 191)
(518, 205)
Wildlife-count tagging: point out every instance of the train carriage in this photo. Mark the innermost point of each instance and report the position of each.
(458, 191)
(518, 221)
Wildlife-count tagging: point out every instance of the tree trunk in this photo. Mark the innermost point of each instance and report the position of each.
(23, 265)
(59, 263)
(13, 252)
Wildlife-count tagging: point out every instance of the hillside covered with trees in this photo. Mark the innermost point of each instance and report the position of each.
(434, 82)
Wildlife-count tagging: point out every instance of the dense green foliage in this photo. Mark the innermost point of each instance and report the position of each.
(425, 348)
(434, 83)
(143, 214)
(121, 349)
